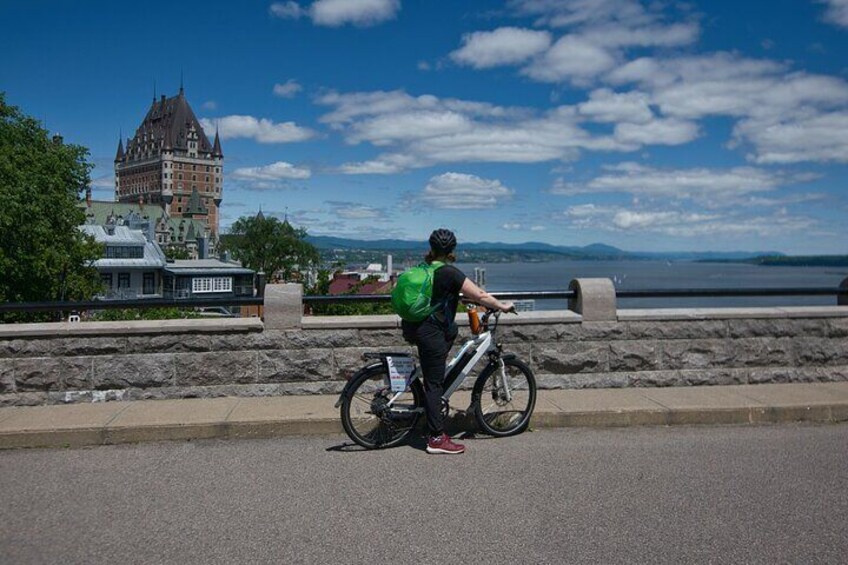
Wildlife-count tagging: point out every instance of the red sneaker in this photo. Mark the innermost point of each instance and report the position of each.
(443, 444)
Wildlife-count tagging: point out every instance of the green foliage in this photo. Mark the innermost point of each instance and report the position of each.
(271, 246)
(144, 314)
(43, 255)
(173, 252)
(322, 288)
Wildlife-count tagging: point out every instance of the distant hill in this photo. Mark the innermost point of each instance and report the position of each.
(528, 251)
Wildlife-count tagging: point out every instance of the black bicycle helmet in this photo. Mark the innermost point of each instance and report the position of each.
(442, 241)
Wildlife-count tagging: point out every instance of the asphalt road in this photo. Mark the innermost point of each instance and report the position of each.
(752, 494)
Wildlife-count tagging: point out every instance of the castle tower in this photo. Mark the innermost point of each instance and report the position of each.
(170, 162)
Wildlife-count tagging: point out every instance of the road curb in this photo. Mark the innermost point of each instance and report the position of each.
(263, 429)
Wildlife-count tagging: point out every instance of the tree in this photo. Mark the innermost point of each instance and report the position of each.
(271, 246)
(43, 254)
(173, 252)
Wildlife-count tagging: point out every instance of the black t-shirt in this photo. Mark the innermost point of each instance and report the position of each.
(447, 282)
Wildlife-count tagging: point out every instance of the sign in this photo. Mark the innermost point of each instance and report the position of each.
(400, 371)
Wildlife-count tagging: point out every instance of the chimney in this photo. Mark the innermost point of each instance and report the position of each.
(389, 265)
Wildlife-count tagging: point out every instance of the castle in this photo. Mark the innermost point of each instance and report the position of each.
(170, 163)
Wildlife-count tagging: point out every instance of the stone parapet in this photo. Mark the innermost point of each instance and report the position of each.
(196, 358)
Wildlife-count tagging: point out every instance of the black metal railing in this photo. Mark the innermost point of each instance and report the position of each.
(82, 305)
(365, 298)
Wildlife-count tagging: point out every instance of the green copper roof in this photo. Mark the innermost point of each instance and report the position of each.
(195, 206)
(99, 211)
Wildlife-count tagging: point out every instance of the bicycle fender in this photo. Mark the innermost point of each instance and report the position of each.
(352, 379)
(509, 356)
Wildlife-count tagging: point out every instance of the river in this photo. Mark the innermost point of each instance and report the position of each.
(662, 274)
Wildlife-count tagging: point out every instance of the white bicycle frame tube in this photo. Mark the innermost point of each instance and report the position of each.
(482, 344)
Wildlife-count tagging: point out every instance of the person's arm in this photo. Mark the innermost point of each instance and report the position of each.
(471, 291)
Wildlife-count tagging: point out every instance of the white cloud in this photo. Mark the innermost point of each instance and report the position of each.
(713, 188)
(288, 89)
(287, 10)
(370, 168)
(503, 46)
(262, 130)
(354, 211)
(464, 192)
(819, 137)
(273, 172)
(688, 224)
(210, 105)
(787, 116)
(605, 106)
(566, 13)
(837, 12)
(335, 13)
(571, 58)
(426, 130)
(511, 227)
(538, 228)
(599, 34)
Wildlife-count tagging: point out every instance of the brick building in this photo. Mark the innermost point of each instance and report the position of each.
(170, 163)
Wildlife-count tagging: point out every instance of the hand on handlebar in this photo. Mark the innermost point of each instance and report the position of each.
(508, 308)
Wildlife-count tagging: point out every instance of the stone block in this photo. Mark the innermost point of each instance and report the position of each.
(23, 399)
(762, 352)
(295, 365)
(777, 327)
(694, 354)
(348, 360)
(673, 329)
(47, 373)
(578, 357)
(583, 380)
(711, 377)
(590, 331)
(532, 333)
(77, 346)
(283, 306)
(138, 370)
(837, 327)
(215, 368)
(633, 356)
(811, 351)
(7, 378)
(320, 339)
(656, 378)
(595, 299)
(382, 338)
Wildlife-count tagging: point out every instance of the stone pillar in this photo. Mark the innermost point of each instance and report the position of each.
(595, 300)
(283, 306)
(842, 299)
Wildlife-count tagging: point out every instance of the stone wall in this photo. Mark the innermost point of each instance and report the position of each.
(84, 362)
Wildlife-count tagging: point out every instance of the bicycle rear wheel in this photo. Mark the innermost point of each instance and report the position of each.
(366, 417)
(503, 407)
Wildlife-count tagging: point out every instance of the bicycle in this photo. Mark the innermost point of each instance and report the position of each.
(382, 402)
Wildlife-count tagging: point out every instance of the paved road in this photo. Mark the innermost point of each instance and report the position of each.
(639, 495)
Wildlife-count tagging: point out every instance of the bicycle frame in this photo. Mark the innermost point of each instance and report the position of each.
(474, 349)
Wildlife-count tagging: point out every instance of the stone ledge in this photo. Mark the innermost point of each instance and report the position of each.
(662, 314)
(135, 327)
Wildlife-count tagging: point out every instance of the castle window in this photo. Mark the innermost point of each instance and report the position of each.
(193, 177)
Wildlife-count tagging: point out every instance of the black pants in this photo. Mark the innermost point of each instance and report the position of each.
(434, 342)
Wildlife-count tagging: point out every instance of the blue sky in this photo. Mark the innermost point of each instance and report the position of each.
(646, 125)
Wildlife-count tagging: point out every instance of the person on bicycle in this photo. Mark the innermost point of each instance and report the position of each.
(435, 335)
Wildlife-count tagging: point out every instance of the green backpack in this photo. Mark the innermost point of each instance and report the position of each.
(414, 290)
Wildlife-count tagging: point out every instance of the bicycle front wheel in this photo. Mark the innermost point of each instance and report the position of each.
(504, 399)
(367, 417)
